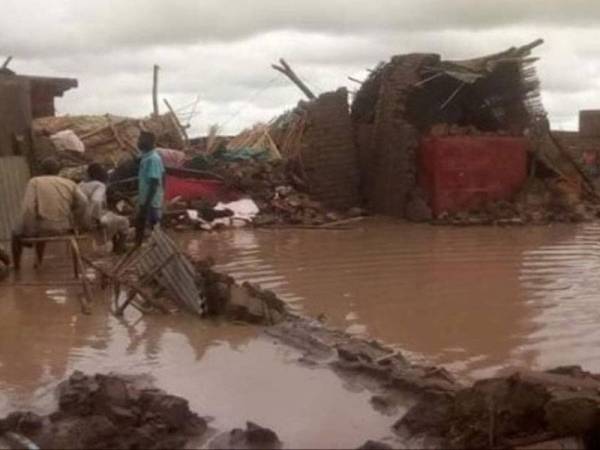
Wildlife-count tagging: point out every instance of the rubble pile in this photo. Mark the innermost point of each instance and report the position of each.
(124, 412)
(106, 139)
(540, 202)
(523, 408)
(253, 437)
(108, 411)
(281, 195)
(355, 358)
(246, 303)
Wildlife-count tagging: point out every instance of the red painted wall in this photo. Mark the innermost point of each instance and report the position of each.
(459, 173)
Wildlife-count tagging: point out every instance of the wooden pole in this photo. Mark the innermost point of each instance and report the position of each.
(155, 90)
(285, 69)
(178, 124)
(7, 62)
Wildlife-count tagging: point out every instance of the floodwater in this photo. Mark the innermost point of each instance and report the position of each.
(228, 372)
(472, 299)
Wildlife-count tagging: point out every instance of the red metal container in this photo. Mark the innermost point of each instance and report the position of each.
(460, 173)
(194, 189)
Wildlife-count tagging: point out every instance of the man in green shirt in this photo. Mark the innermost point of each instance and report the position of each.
(150, 185)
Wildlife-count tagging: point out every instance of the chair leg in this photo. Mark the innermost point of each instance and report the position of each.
(40, 249)
(75, 260)
(79, 268)
(17, 251)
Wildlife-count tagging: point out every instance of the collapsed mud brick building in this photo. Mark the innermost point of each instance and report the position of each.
(317, 137)
(106, 138)
(419, 99)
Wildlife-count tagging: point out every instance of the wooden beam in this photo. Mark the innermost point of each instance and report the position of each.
(6, 62)
(285, 69)
(178, 124)
(155, 90)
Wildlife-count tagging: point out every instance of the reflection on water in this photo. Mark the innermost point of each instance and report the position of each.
(474, 299)
(225, 371)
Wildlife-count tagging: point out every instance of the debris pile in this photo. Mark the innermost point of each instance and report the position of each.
(108, 411)
(159, 277)
(420, 96)
(276, 187)
(513, 411)
(280, 194)
(246, 303)
(355, 357)
(106, 139)
(124, 412)
(253, 437)
(541, 201)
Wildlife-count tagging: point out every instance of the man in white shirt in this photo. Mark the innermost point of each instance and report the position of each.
(97, 215)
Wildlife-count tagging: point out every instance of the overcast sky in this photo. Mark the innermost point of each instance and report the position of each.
(220, 51)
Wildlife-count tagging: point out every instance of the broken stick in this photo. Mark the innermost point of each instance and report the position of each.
(178, 124)
(285, 69)
(6, 62)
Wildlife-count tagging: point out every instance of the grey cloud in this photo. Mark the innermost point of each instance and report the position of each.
(222, 51)
(93, 25)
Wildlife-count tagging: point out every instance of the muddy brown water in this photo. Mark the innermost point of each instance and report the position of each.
(229, 372)
(472, 299)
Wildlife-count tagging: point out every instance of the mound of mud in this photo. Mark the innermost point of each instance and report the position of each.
(116, 412)
(514, 411)
(107, 411)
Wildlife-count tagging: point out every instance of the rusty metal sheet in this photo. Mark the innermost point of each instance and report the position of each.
(14, 174)
(178, 276)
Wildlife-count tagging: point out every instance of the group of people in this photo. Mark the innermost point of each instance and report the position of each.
(54, 205)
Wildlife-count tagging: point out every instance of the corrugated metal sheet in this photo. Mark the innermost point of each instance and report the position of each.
(178, 276)
(14, 174)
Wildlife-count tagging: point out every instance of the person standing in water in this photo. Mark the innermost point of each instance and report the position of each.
(150, 185)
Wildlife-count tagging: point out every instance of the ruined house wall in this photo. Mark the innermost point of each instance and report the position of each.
(388, 142)
(42, 100)
(329, 155)
(44, 91)
(15, 116)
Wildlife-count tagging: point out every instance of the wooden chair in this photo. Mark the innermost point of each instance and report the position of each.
(72, 243)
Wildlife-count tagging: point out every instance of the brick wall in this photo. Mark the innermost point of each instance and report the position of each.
(329, 155)
(388, 142)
